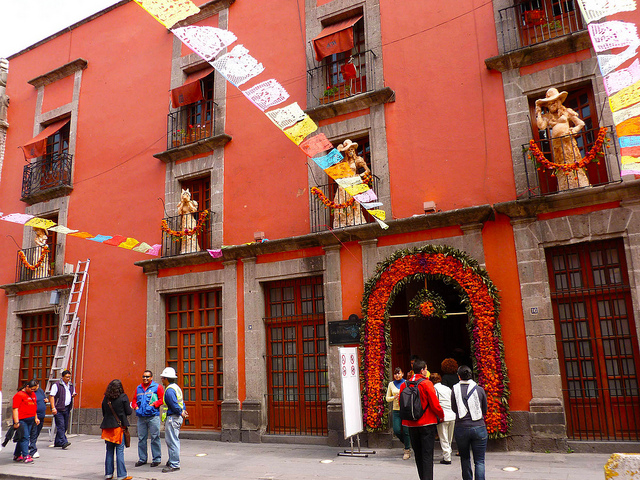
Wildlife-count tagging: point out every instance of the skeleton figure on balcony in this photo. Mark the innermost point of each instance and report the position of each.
(352, 215)
(565, 148)
(186, 209)
(40, 240)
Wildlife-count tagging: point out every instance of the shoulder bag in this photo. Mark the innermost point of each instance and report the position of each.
(125, 429)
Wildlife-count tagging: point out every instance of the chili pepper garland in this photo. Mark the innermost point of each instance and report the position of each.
(479, 295)
(25, 262)
(542, 162)
(186, 232)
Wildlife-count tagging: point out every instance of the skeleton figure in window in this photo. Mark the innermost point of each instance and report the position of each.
(186, 209)
(565, 148)
(40, 240)
(351, 215)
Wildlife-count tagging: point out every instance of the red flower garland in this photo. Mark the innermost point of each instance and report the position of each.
(366, 178)
(482, 305)
(426, 308)
(25, 262)
(542, 161)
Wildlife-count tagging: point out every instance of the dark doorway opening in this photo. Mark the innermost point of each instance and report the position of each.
(432, 339)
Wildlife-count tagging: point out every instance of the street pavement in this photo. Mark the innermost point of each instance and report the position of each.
(84, 459)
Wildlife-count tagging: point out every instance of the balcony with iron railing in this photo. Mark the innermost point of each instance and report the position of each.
(341, 79)
(548, 177)
(189, 233)
(48, 177)
(324, 217)
(532, 22)
(34, 263)
(192, 130)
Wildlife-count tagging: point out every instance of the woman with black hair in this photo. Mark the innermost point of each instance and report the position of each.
(24, 408)
(469, 402)
(115, 409)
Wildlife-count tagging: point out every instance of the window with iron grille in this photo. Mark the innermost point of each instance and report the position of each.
(296, 357)
(597, 342)
(39, 340)
(194, 349)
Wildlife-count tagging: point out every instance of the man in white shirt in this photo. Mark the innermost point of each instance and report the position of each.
(61, 400)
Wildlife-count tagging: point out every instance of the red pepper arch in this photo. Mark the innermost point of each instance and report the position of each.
(480, 297)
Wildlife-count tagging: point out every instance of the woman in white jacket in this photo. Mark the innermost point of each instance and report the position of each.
(445, 428)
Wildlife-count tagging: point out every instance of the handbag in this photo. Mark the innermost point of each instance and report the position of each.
(125, 429)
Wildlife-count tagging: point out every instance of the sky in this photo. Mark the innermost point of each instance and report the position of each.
(25, 22)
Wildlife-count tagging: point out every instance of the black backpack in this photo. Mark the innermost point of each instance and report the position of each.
(410, 401)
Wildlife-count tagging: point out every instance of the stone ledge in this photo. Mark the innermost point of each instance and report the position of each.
(369, 231)
(583, 197)
(554, 48)
(39, 284)
(207, 10)
(201, 146)
(48, 194)
(60, 72)
(351, 104)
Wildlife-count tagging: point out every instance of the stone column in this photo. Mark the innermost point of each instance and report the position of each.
(230, 414)
(253, 407)
(333, 312)
(472, 241)
(369, 257)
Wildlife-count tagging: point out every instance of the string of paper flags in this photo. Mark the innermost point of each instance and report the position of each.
(238, 67)
(622, 86)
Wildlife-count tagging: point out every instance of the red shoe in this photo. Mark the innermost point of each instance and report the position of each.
(19, 458)
(28, 459)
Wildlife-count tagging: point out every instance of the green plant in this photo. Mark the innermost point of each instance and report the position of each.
(330, 91)
(570, 450)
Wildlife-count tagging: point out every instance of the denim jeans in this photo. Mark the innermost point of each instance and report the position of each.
(22, 447)
(400, 431)
(108, 461)
(35, 433)
(471, 439)
(422, 440)
(149, 426)
(172, 436)
(62, 423)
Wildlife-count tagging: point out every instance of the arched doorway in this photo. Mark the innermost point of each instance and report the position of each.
(432, 338)
(480, 298)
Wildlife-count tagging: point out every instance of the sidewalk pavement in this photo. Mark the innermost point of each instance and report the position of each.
(84, 459)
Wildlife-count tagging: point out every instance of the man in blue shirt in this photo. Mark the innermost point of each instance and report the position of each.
(41, 412)
(147, 402)
(173, 415)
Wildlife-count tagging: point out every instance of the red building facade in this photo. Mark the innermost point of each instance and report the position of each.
(439, 105)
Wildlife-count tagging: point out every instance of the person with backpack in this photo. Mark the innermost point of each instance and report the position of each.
(469, 401)
(420, 411)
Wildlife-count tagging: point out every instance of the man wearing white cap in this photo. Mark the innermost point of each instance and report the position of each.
(172, 416)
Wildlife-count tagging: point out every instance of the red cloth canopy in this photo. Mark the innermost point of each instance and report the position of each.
(37, 146)
(335, 38)
(191, 90)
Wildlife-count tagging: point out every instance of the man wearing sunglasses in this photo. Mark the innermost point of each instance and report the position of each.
(146, 403)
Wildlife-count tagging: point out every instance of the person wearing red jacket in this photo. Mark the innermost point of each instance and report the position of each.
(423, 431)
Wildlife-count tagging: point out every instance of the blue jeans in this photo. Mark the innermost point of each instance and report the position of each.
(471, 439)
(172, 436)
(400, 431)
(62, 424)
(35, 433)
(149, 426)
(423, 440)
(108, 461)
(22, 447)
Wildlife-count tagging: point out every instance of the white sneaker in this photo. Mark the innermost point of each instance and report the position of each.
(35, 455)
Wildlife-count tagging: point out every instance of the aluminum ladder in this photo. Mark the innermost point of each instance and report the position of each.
(64, 347)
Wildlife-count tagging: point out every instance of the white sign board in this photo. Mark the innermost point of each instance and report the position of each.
(350, 377)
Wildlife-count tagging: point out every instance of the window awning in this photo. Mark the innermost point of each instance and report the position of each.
(191, 90)
(37, 146)
(335, 38)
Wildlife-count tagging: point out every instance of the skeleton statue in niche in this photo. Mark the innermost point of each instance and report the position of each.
(347, 216)
(565, 148)
(40, 240)
(186, 209)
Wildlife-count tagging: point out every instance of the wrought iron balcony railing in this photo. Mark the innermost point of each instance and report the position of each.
(326, 218)
(173, 245)
(603, 169)
(530, 22)
(45, 174)
(41, 264)
(191, 123)
(336, 80)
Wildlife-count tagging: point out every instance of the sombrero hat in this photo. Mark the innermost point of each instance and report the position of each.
(551, 96)
(346, 145)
